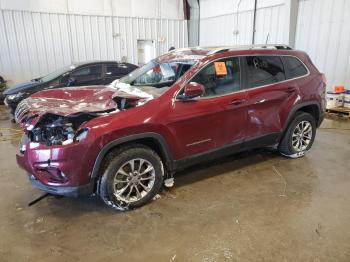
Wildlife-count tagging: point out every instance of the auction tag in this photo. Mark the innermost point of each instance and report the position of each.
(220, 68)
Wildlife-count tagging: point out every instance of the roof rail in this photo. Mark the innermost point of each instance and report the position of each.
(277, 46)
(227, 48)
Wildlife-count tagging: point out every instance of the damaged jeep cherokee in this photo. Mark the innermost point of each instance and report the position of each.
(124, 141)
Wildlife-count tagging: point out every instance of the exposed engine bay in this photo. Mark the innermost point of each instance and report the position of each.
(57, 130)
(50, 120)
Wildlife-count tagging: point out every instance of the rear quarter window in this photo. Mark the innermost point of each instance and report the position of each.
(294, 67)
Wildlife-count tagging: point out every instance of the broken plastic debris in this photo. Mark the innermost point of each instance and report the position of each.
(33, 145)
(169, 182)
(131, 90)
(157, 197)
(120, 205)
(67, 142)
(39, 220)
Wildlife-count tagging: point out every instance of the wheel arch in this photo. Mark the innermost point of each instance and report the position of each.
(312, 108)
(152, 140)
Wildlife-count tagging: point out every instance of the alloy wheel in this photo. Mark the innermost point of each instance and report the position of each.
(134, 180)
(301, 136)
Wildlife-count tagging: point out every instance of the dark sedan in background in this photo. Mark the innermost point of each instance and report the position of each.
(2, 89)
(80, 74)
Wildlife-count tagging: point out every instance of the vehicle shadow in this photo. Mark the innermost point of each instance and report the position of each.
(73, 207)
(234, 164)
(228, 164)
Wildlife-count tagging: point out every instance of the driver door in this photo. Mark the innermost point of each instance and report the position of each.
(217, 118)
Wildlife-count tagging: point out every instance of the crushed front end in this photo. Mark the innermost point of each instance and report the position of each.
(59, 148)
(57, 155)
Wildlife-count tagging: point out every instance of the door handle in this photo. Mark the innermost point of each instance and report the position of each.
(237, 101)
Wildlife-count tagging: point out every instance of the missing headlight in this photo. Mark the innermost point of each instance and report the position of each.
(52, 134)
(57, 130)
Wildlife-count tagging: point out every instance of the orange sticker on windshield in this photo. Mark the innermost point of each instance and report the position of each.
(220, 68)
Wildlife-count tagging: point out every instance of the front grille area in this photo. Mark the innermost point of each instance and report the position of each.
(21, 111)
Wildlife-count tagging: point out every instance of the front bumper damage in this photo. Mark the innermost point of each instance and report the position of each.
(77, 191)
(58, 170)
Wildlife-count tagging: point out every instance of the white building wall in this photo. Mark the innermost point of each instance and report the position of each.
(231, 22)
(323, 32)
(170, 9)
(44, 36)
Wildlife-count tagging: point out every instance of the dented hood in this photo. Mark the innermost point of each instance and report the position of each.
(70, 100)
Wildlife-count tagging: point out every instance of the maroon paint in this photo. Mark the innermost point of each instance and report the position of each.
(214, 122)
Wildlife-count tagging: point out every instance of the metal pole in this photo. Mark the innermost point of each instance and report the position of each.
(254, 22)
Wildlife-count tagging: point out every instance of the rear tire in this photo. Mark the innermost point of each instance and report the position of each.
(299, 136)
(132, 178)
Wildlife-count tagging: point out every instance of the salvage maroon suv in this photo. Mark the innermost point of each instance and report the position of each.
(125, 140)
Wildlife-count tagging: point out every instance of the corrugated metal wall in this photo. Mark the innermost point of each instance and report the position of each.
(236, 28)
(323, 32)
(33, 44)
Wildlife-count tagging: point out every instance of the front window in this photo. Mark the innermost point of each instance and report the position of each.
(156, 74)
(220, 77)
(87, 73)
(162, 73)
(56, 73)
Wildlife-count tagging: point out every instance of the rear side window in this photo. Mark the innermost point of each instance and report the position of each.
(117, 70)
(89, 72)
(264, 70)
(112, 70)
(294, 67)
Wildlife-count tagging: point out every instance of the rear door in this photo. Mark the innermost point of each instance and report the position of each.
(117, 70)
(87, 75)
(270, 96)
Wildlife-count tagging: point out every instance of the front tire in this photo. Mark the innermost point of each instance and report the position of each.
(299, 136)
(132, 178)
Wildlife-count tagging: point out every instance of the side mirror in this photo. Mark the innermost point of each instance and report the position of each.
(193, 90)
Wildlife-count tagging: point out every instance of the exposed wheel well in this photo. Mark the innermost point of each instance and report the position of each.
(149, 142)
(312, 110)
